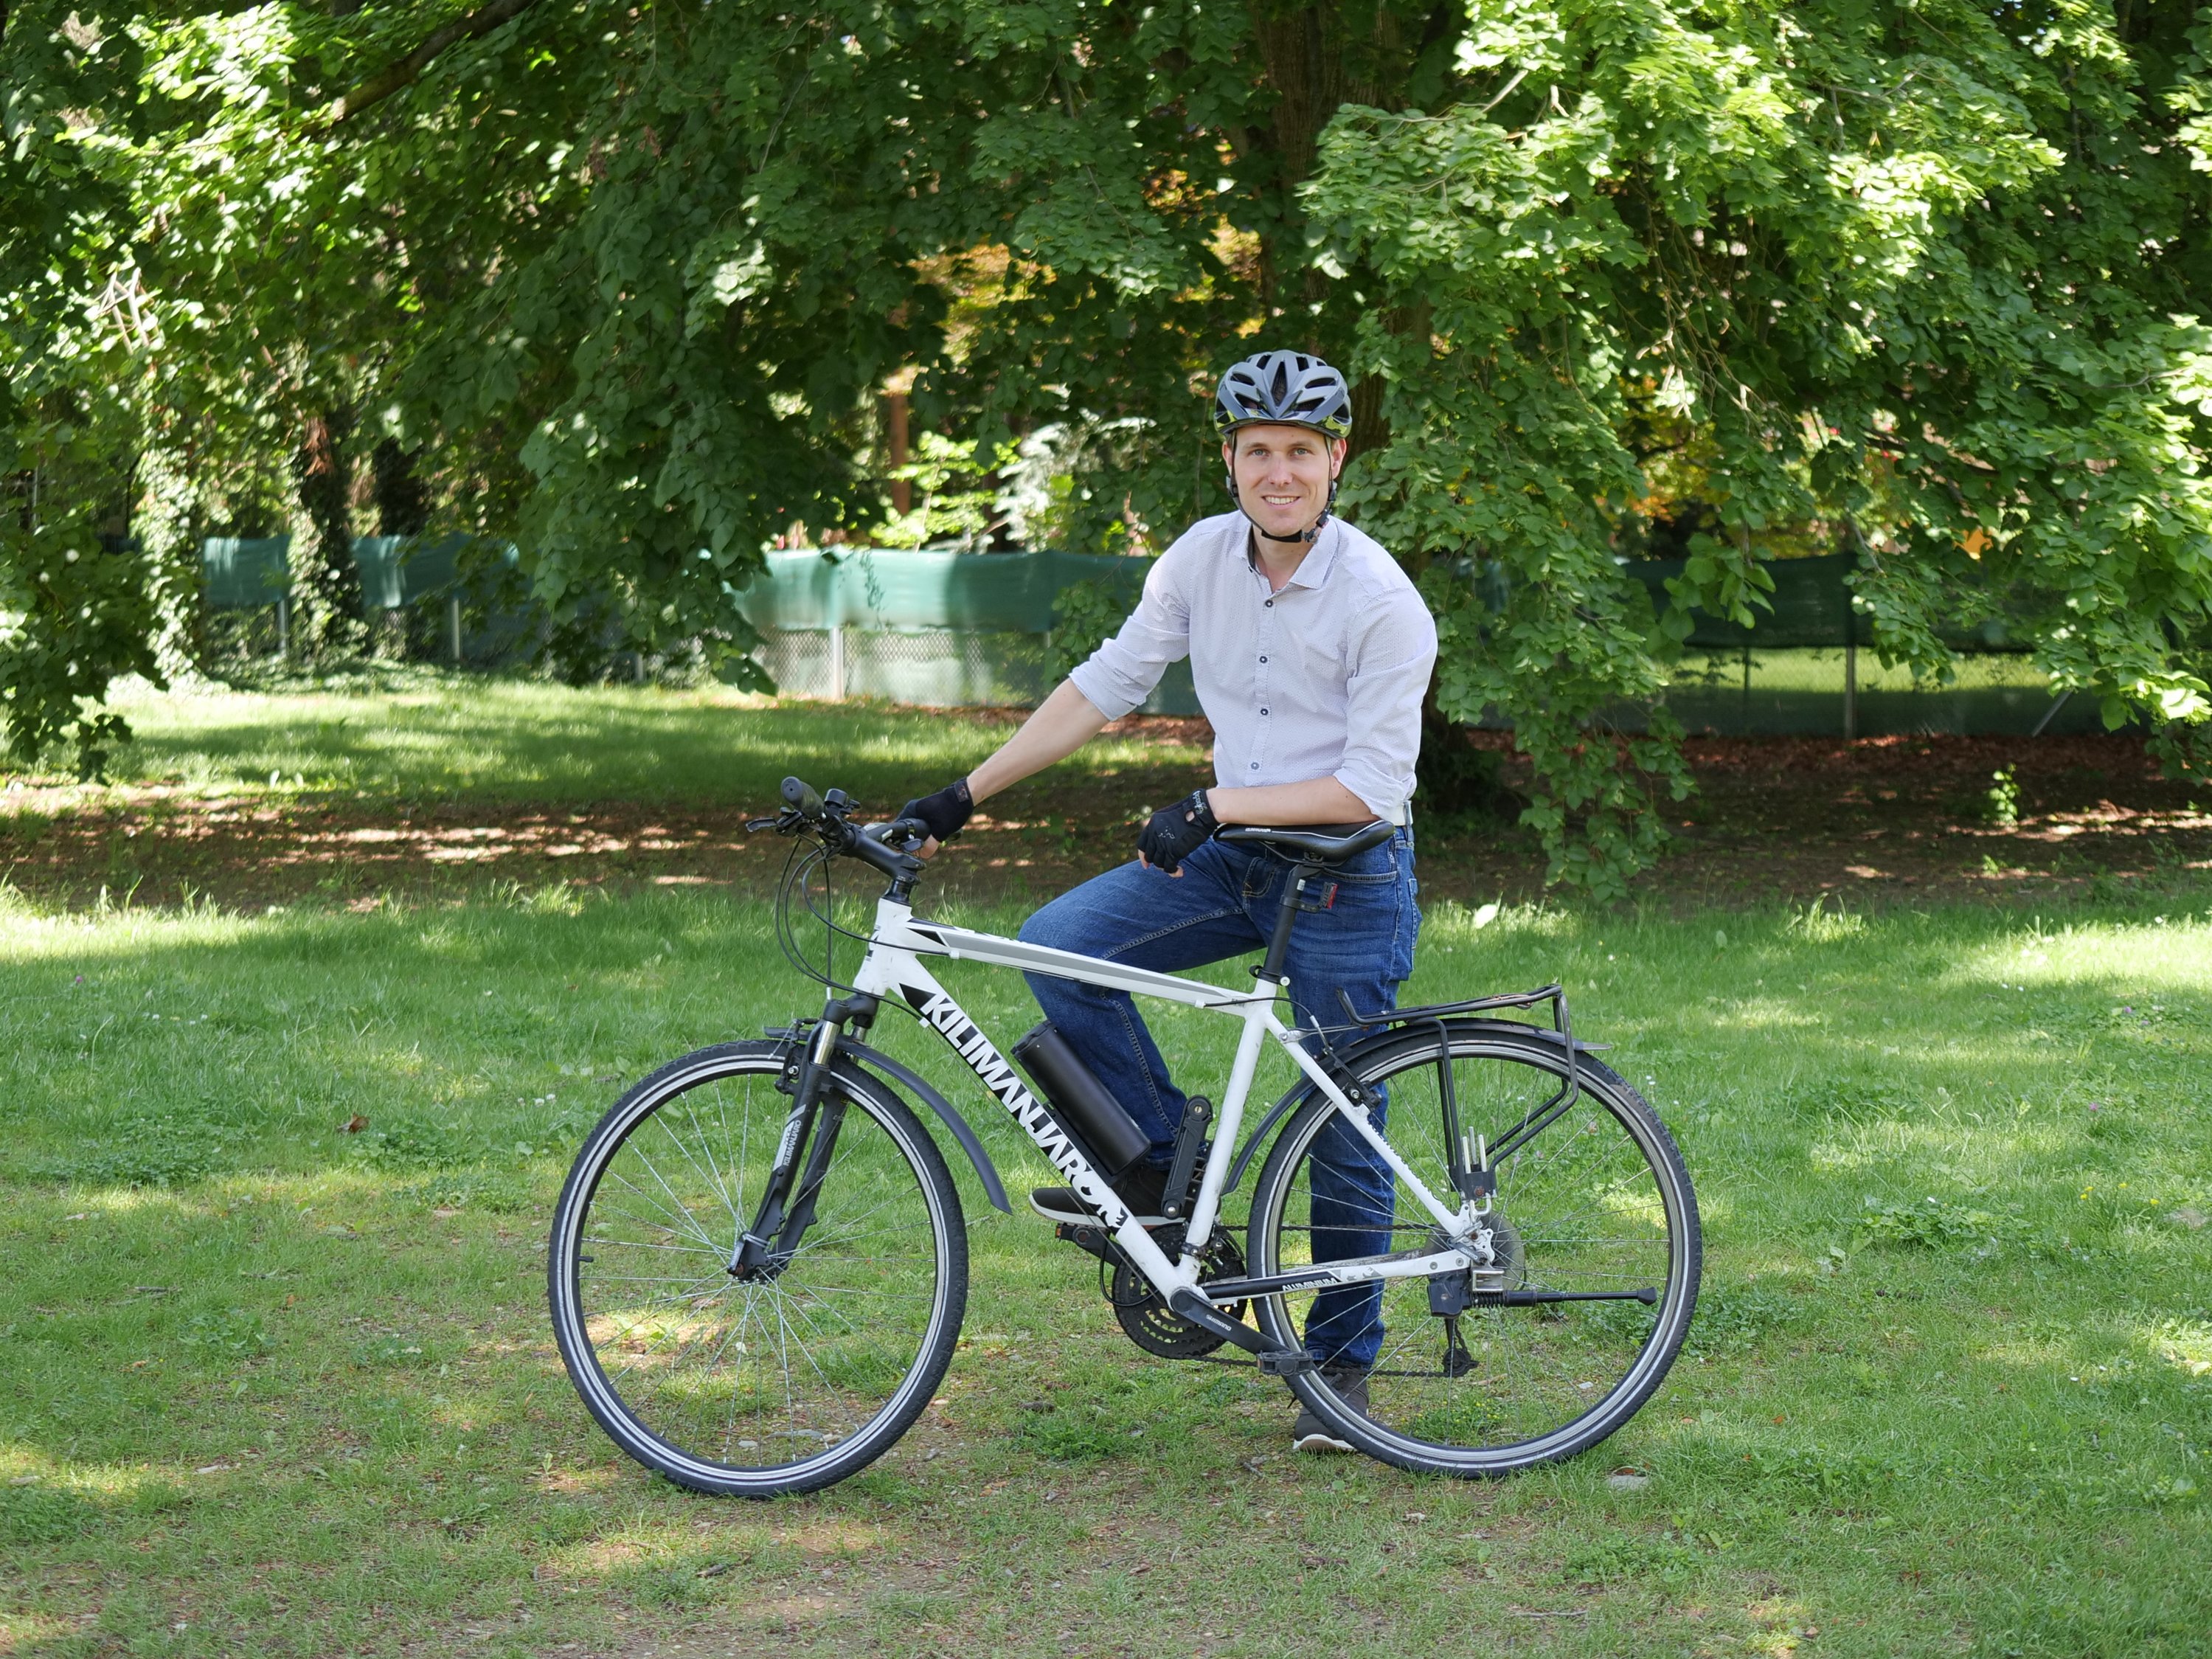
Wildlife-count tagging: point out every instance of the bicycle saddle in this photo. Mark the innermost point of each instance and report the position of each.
(1312, 843)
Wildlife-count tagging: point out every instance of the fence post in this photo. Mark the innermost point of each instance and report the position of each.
(283, 624)
(1850, 678)
(836, 662)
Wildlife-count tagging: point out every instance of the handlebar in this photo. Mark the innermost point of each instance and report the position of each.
(826, 816)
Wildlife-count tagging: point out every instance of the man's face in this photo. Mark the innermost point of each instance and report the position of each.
(1282, 475)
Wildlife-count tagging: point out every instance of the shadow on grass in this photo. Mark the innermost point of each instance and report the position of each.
(1952, 1168)
(519, 740)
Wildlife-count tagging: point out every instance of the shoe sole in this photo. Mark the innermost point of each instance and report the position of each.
(1321, 1441)
(1084, 1219)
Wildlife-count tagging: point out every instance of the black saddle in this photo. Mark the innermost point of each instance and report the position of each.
(1323, 844)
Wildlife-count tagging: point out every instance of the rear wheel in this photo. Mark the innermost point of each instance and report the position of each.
(777, 1382)
(1595, 1202)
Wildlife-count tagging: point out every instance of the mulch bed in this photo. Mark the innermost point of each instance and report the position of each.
(1877, 820)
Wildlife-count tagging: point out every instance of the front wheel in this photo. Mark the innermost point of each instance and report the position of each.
(1595, 1203)
(769, 1382)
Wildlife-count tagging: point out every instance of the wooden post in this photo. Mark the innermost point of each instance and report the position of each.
(1850, 678)
(283, 624)
(895, 412)
(453, 626)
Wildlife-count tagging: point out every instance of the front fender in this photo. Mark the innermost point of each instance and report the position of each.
(986, 1172)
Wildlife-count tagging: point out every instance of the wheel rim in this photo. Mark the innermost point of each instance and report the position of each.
(1593, 1202)
(728, 1378)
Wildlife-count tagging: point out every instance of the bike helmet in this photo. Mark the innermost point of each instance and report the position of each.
(1284, 388)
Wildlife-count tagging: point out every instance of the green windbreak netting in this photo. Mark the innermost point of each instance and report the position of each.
(895, 590)
(971, 629)
(243, 573)
(1811, 605)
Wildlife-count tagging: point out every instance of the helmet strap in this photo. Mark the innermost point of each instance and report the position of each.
(1310, 534)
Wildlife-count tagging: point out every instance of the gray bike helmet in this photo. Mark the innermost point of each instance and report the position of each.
(1284, 388)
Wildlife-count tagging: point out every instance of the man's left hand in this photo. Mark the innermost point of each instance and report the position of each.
(1174, 833)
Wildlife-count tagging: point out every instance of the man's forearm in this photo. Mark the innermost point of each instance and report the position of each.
(1063, 723)
(1317, 800)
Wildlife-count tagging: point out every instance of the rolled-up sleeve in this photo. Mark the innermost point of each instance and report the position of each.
(1121, 673)
(1393, 650)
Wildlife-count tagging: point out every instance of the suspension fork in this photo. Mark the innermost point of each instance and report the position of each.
(786, 1203)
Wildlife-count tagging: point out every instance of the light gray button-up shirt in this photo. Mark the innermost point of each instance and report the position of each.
(1322, 679)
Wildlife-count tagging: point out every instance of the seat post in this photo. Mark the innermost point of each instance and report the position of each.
(1278, 943)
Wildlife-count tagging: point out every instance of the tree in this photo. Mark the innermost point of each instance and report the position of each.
(1920, 274)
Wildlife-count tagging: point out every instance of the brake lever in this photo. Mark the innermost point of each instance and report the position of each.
(897, 833)
(754, 826)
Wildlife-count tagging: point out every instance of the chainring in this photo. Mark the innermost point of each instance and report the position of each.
(1151, 1324)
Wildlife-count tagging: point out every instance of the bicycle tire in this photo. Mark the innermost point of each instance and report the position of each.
(1636, 1181)
(866, 1334)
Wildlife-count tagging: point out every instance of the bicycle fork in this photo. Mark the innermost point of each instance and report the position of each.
(785, 1210)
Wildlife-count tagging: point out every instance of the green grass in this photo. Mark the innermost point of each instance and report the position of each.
(273, 1387)
(421, 733)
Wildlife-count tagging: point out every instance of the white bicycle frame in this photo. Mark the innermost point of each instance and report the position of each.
(893, 968)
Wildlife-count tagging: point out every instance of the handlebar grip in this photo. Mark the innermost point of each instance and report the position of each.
(799, 795)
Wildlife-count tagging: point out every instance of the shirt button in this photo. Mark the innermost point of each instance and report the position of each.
(1263, 711)
(1270, 604)
(1256, 766)
(1263, 659)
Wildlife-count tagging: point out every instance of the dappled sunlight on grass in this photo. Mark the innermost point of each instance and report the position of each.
(514, 739)
(1947, 1332)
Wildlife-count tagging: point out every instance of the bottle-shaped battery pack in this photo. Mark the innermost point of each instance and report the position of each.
(1079, 1100)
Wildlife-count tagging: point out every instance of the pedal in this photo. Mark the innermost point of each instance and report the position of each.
(1093, 1241)
(1289, 1363)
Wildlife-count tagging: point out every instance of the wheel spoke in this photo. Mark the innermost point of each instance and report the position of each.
(758, 1379)
(1542, 1379)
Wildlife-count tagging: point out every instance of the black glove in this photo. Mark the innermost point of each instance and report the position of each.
(1174, 833)
(945, 813)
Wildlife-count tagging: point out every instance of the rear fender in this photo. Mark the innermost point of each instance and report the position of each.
(1358, 1051)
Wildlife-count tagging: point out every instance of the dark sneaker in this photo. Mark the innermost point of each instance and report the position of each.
(1143, 1189)
(1309, 1434)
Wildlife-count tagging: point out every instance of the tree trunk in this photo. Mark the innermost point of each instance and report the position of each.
(327, 578)
(1318, 58)
(402, 499)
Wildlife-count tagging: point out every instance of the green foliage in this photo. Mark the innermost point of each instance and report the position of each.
(947, 514)
(2003, 801)
(1914, 278)
(1085, 616)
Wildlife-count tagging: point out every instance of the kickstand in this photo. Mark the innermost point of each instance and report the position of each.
(1458, 1361)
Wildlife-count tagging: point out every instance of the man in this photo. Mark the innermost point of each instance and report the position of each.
(1310, 651)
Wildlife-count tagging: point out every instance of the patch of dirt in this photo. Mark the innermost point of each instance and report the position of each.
(1899, 818)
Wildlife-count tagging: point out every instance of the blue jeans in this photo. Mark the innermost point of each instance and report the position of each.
(1224, 904)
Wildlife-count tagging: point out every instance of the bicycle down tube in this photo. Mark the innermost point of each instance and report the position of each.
(893, 967)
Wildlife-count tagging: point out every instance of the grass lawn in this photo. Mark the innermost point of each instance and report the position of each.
(416, 734)
(275, 1388)
(416, 785)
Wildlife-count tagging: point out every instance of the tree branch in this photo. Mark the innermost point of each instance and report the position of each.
(395, 76)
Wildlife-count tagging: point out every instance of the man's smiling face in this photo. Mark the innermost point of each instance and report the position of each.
(1282, 475)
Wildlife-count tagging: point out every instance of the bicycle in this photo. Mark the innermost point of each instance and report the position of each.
(758, 1266)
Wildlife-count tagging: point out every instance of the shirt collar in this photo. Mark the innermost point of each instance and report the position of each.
(1313, 569)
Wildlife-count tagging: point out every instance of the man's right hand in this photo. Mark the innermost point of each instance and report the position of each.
(946, 813)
